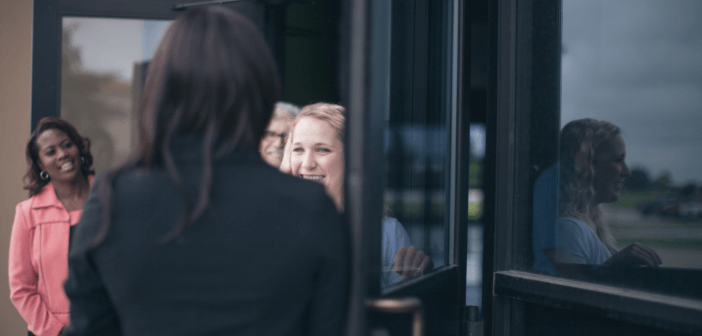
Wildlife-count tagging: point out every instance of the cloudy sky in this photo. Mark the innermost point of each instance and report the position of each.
(114, 45)
(638, 64)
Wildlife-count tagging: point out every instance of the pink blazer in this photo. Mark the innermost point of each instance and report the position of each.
(39, 261)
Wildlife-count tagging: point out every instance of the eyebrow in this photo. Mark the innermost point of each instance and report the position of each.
(60, 143)
(315, 144)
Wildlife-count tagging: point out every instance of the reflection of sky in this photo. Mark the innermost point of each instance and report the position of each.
(114, 45)
(636, 63)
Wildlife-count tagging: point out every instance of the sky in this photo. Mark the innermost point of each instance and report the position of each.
(638, 64)
(115, 45)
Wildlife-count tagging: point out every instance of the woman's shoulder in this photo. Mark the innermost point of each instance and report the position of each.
(25, 206)
(45, 197)
(569, 226)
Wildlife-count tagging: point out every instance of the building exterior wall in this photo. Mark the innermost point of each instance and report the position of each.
(15, 97)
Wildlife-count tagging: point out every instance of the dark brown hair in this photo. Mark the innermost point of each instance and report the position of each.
(35, 183)
(212, 76)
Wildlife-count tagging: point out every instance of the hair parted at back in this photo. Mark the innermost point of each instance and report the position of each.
(580, 140)
(212, 76)
(35, 183)
(332, 113)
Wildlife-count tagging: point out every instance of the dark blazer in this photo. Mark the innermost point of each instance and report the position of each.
(268, 257)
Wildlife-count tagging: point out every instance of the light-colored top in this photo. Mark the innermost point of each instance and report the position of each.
(38, 262)
(394, 237)
(577, 244)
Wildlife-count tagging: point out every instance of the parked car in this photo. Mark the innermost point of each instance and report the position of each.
(690, 210)
(664, 207)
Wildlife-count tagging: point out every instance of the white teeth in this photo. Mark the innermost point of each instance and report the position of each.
(308, 177)
(67, 165)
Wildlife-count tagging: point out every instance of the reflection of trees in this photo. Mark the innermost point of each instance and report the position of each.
(638, 181)
(663, 182)
(84, 103)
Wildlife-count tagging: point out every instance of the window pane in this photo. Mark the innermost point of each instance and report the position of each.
(102, 68)
(630, 175)
(419, 138)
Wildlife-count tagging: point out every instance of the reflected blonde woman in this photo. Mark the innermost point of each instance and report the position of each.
(593, 170)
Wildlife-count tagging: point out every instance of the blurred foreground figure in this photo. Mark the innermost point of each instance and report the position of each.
(276, 133)
(182, 239)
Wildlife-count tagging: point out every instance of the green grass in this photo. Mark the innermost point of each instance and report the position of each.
(630, 199)
(475, 210)
(681, 243)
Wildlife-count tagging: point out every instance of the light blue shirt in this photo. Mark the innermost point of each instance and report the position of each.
(394, 237)
(578, 244)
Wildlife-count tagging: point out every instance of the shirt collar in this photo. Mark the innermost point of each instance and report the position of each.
(46, 197)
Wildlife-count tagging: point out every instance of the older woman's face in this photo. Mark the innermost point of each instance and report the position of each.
(610, 170)
(318, 155)
(58, 155)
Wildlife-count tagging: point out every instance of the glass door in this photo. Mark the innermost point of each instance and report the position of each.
(407, 166)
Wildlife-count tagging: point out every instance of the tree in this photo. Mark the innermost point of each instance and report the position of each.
(663, 182)
(84, 102)
(688, 190)
(639, 180)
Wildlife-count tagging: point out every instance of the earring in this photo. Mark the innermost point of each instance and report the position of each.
(44, 175)
(82, 159)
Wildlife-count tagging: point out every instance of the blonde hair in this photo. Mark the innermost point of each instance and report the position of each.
(580, 141)
(332, 113)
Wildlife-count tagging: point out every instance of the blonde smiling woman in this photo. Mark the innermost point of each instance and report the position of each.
(315, 151)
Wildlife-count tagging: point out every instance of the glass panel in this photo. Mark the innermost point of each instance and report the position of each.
(419, 140)
(629, 210)
(102, 69)
(474, 260)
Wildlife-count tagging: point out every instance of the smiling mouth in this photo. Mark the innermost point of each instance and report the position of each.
(66, 165)
(312, 177)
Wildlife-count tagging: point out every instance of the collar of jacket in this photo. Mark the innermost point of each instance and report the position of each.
(46, 198)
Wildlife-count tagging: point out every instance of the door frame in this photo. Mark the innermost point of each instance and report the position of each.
(524, 39)
(367, 45)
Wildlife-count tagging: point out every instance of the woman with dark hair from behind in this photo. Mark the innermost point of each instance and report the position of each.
(59, 164)
(182, 239)
(592, 172)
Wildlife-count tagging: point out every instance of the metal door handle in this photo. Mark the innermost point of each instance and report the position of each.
(402, 306)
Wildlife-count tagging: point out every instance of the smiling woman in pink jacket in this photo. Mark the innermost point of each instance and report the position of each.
(59, 164)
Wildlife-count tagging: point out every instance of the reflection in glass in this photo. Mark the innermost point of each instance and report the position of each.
(635, 64)
(418, 138)
(625, 195)
(98, 95)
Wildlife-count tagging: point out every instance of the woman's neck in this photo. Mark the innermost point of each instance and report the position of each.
(72, 193)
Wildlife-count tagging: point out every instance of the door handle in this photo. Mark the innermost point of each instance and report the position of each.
(408, 305)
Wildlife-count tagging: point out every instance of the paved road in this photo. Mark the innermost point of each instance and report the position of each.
(631, 225)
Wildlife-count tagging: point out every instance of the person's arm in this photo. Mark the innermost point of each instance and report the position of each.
(635, 255)
(24, 279)
(328, 305)
(411, 262)
(92, 312)
(408, 261)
